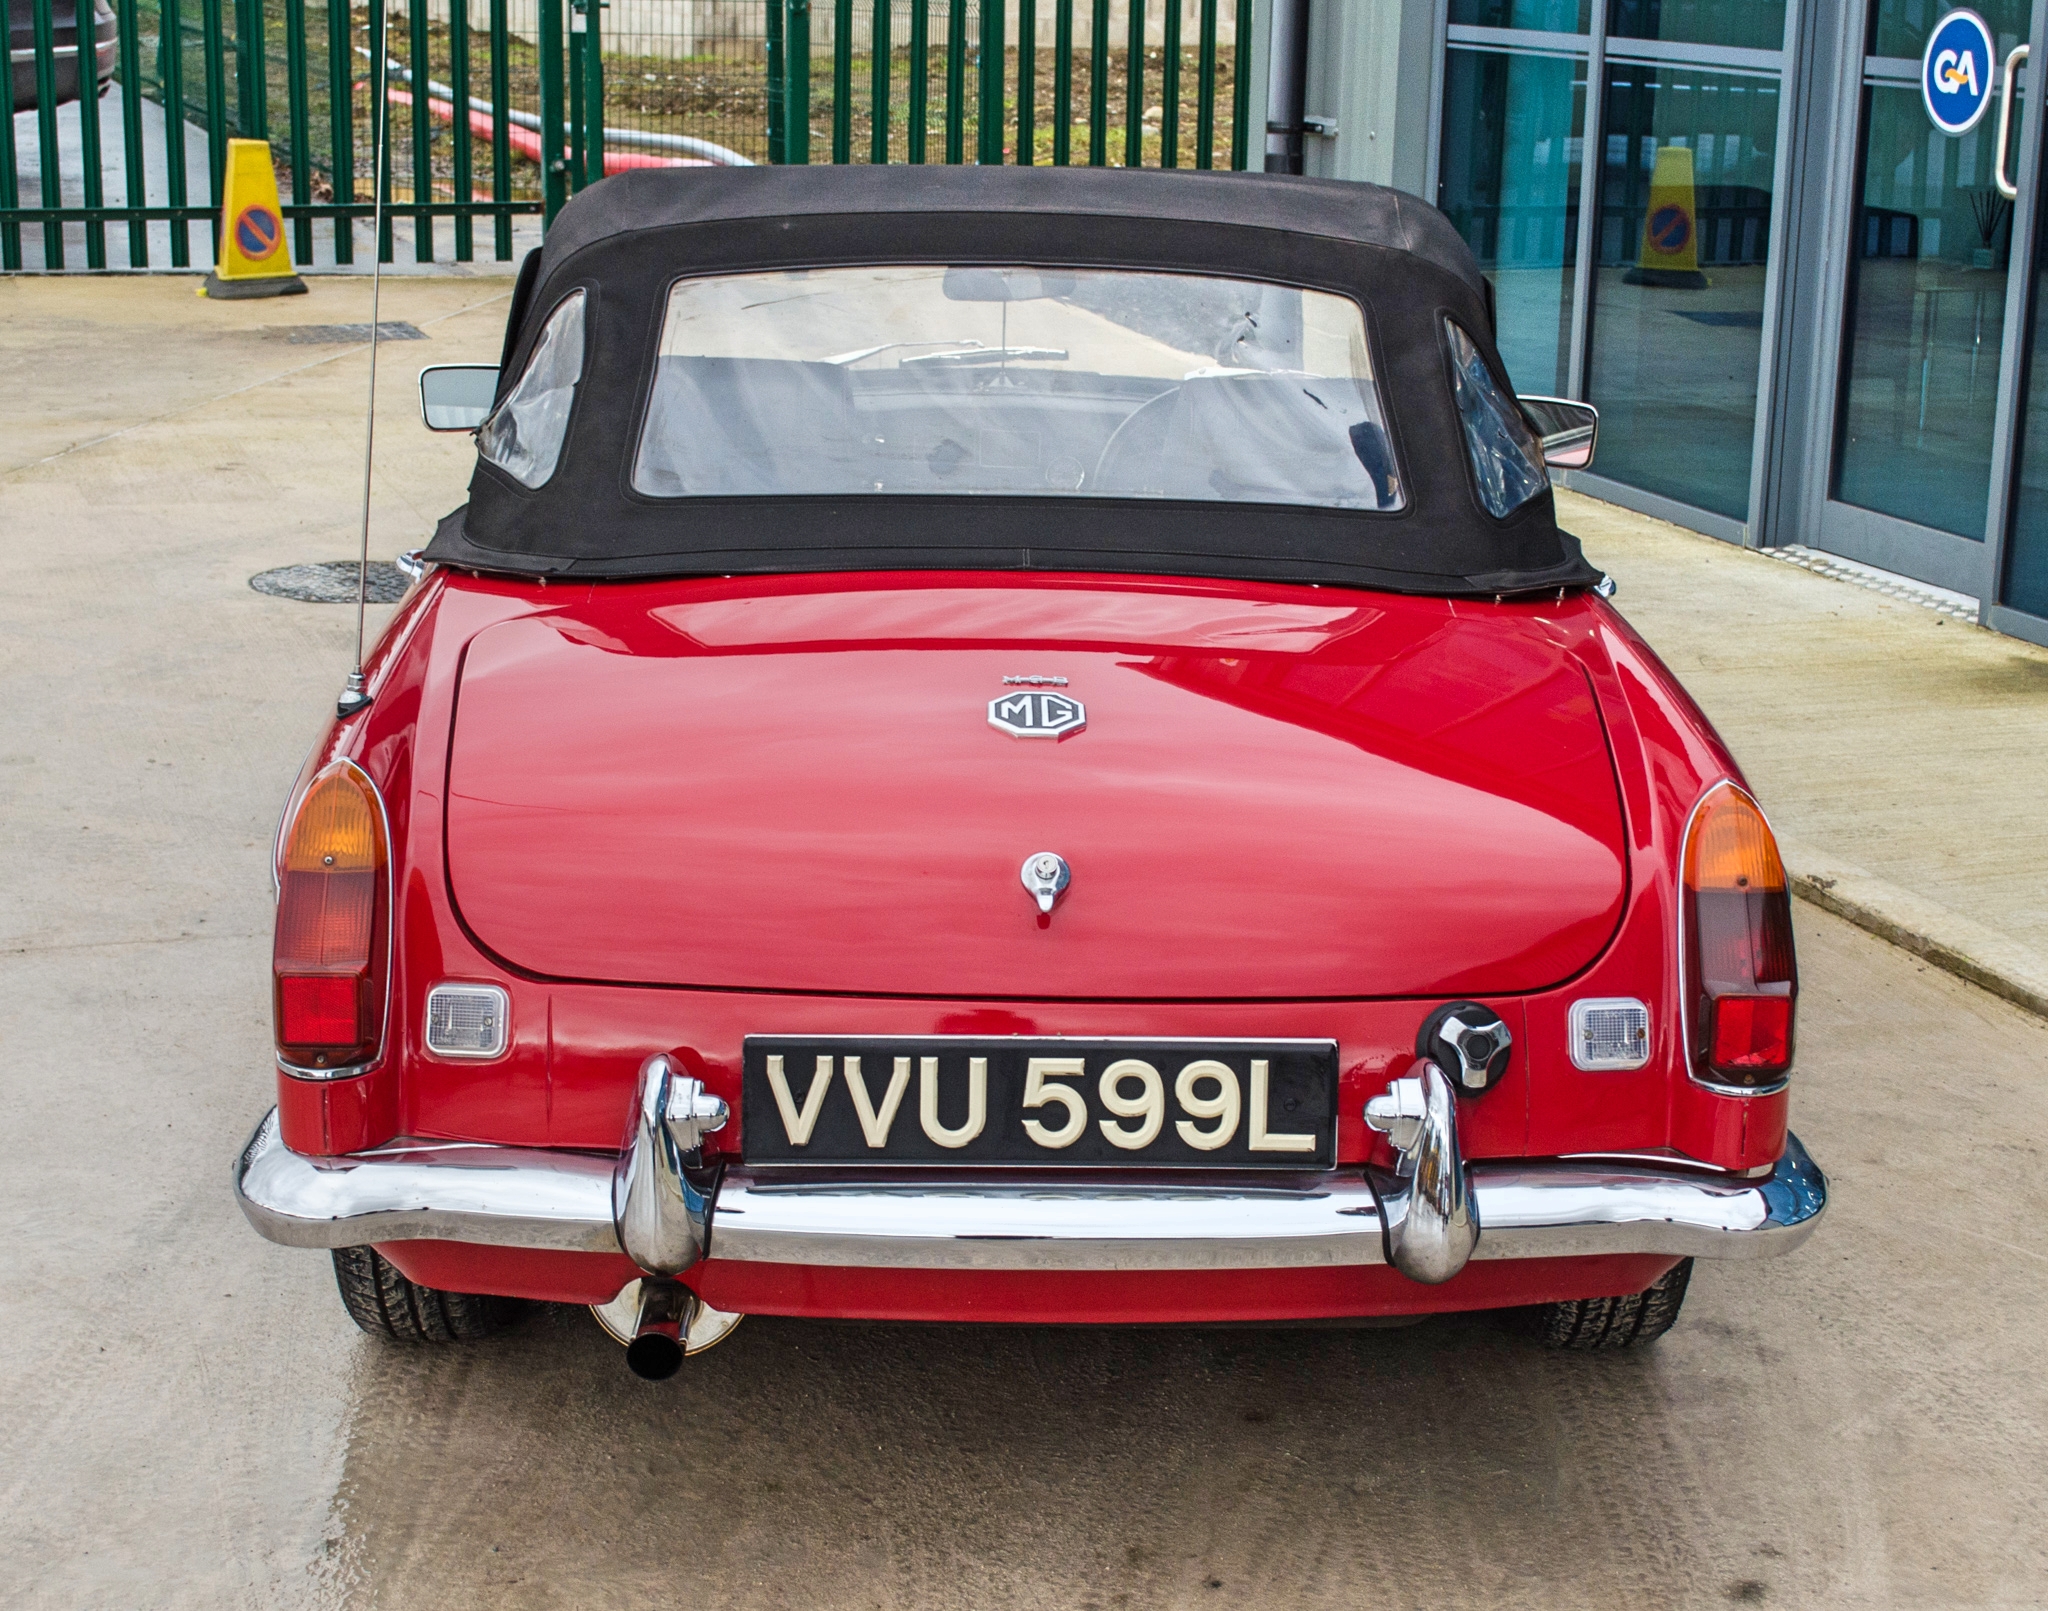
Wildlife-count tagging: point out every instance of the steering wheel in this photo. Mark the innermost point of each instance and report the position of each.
(1141, 436)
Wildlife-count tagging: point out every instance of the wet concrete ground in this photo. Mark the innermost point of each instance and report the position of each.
(188, 1419)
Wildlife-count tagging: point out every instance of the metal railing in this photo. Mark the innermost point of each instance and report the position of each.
(502, 109)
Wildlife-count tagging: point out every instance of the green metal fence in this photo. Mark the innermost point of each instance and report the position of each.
(501, 109)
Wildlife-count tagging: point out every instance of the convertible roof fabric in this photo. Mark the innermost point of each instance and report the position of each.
(627, 240)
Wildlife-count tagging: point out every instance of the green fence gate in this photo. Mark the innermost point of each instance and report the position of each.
(501, 109)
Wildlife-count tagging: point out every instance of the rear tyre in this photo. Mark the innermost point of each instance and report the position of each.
(387, 1305)
(1586, 1324)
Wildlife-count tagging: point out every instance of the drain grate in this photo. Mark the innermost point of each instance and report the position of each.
(1956, 606)
(331, 582)
(317, 335)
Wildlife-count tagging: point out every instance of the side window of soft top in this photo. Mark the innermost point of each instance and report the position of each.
(524, 436)
(1507, 460)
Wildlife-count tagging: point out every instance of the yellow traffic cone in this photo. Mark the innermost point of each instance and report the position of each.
(253, 259)
(1670, 254)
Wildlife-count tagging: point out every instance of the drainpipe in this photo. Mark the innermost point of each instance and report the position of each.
(1287, 86)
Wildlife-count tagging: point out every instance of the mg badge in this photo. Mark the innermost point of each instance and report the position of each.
(1036, 714)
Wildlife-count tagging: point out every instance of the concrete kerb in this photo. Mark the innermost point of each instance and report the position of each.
(1952, 942)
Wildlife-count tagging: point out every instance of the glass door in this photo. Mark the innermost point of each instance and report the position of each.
(2018, 602)
(1931, 304)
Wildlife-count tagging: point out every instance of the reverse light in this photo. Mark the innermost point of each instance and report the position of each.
(333, 927)
(467, 1020)
(1741, 979)
(1609, 1032)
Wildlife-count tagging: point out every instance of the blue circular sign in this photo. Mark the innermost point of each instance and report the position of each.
(1955, 72)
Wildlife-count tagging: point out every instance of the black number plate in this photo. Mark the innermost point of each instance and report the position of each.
(1244, 1104)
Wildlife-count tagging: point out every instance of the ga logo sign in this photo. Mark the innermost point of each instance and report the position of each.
(1955, 72)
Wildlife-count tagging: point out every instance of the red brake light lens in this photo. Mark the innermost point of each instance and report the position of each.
(332, 925)
(1742, 980)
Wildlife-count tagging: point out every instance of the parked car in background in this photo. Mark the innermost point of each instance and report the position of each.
(64, 71)
(1009, 744)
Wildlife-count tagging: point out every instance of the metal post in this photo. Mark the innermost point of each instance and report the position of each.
(458, 81)
(170, 56)
(1098, 85)
(1169, 89)
(578, 178)
(501, 143)
(1592, 143)
(554, 171)
(842, 82)
(10, 182)
(1062, 82)
(1134, 86)
(988, 112)
(920, 79)
(956, 80)
(248, 59)
(422, 65)
(775, 82)
(1205, 89)
(796, 94)
(593, 91)
(1286, 85)
(90, 169)
(296, 92)
(1027, 82)
(215, 47)
(341, 121)
(380, 133)
(48, 160)
(128, 37)
(1241, 90)
(879, 51)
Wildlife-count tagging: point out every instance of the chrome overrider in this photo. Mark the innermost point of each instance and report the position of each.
(1426, 1209)
(661, 1191)
(655, 1202)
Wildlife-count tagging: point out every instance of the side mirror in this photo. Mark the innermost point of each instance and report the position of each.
(457, 397)
(1569, 431)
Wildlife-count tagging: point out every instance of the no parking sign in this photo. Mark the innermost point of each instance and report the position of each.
(1955, 72)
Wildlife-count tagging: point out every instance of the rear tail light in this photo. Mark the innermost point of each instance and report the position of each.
(1741, 982)
(333, 926)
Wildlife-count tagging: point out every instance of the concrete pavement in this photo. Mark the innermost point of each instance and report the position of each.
(1899, 752)
(188, 1419)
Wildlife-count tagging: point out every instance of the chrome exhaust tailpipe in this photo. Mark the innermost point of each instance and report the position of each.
(666, 1310)
(1427, 1212)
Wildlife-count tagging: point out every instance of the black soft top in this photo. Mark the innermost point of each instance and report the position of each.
(627, 240)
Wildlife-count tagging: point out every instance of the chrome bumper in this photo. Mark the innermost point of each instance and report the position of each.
(527, 1197)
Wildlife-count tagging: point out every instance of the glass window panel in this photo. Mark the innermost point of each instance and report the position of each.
(1547, 16)
(925, 379)
(1901, 27)
(1506, 459)
(1509, 181)
(1922, 325)
(2026, 562)
(1754, 24)
(1678, 284)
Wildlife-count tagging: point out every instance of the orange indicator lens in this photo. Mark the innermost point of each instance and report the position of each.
(330, 890)
(1742, 980)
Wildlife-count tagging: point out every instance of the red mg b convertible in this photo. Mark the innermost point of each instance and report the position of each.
(1018, 746)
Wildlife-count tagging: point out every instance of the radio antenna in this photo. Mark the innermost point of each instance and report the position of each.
(354, 696)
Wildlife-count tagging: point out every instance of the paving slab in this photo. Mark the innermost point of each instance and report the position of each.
(1901, 754)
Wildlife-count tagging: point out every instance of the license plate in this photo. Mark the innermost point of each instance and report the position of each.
(1106, 1104)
